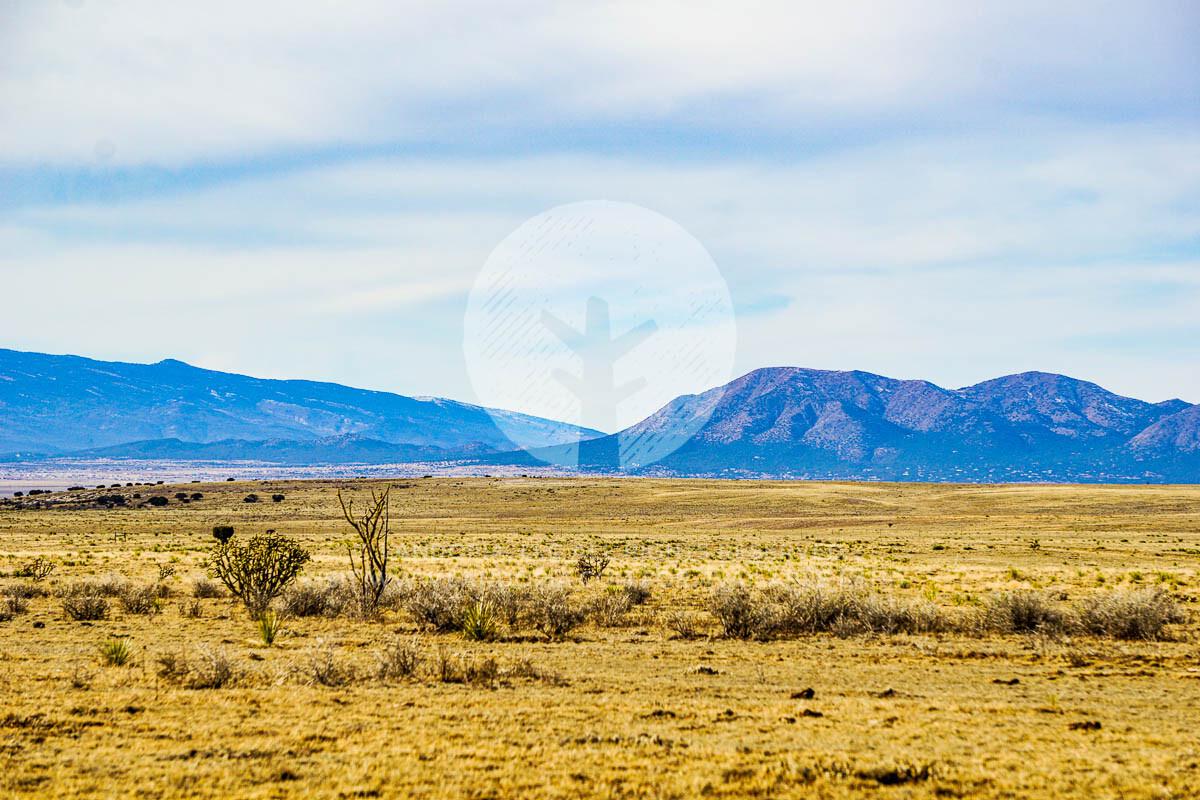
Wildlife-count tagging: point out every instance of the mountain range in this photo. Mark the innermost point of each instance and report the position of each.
(57, 405)
(784, 422)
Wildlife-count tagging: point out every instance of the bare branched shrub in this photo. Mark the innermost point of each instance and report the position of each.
(553, 612)
(325, 669)
(610, 609)
(328, 598)
(847, 607)
(400, 658)
(11, 605)
(369, 556)
(205, 589)
(637, 592)
(591, 566)
(141, 599)
(457, 668)
(259, 570)
(1024, 612)
(440, 604)
(212, 669)
(84, 602)
(191, 609)
(685, 624)
(742, 614)
(1140, 614)
(508, 600)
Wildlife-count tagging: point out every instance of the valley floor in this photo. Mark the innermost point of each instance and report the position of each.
(624, 706)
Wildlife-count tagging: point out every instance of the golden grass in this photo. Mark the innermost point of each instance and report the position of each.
(625, 711)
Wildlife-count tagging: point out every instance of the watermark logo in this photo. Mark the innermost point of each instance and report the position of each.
(606, 316)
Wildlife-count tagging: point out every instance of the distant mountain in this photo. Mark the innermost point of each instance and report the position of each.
(783, 422)
(802, 423)
(66, 404)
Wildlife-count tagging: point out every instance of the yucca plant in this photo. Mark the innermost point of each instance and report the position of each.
(269, 626)
(116, 652)
(479, 622)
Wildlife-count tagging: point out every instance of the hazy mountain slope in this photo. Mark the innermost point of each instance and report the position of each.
(57, 404)
(788, 421)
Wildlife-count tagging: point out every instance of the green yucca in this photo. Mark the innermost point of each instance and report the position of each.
(116, 652)
(479, 622)
(269, 626)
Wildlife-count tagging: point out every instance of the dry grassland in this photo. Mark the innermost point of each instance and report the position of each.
(627, 708)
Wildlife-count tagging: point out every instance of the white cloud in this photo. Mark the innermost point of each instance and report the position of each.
(146, 82)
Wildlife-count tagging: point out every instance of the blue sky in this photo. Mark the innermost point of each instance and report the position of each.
(919, 189)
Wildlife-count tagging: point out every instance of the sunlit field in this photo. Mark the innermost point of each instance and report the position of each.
(743, 639)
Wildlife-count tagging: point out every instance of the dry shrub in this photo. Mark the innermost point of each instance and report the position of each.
(508, 600)
(141, 599)
(846, 607)
(441, 603)
(210, 669)
(1140, 614)
(637, 592)
(84, 602)
(205, 589)
(742, 613)
(553, 612)
(329, 598)
(685, 624)
(459, 668)
(25, 590)
(610, 609)
(325, 669)
(11, 606)
(400, 658)
(1025, 612)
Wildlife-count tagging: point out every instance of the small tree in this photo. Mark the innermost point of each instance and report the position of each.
(258, 571)
(369, 557)
(591, 566)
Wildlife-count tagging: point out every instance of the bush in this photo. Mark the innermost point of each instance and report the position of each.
(609, 609)
(742, 615)
(84, 602)
(11, 605)
(141, 599)
(316, 599)
(1141, 614)
(400, 658)
(552, 612)
(846, 607)
(684, 624)
(277, 498)
(158, 501)
(250, 498)
(325, 669)
(441, 604)
(1024, 612)
(212, 669)
(205, 589)
(637, 592)
(259, 570)
(222, 533)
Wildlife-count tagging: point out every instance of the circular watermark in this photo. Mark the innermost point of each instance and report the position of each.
(608, 317)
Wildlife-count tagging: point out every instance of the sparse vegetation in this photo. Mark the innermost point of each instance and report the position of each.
(259, 570)
(791, 639)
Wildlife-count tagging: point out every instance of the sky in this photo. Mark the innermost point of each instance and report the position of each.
(935, 190)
